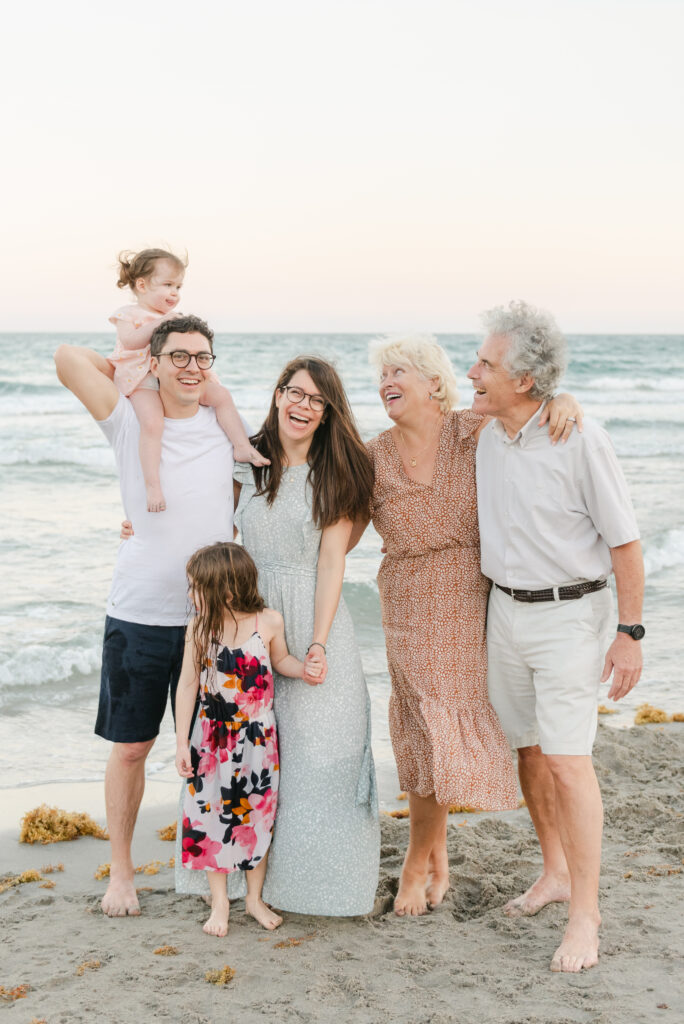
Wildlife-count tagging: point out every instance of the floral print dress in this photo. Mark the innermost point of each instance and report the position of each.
(229, 803)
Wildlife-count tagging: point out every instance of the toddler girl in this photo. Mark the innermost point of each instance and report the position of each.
(155, 277)
(231, 761)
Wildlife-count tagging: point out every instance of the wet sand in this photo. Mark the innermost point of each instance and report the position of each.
(463, 962)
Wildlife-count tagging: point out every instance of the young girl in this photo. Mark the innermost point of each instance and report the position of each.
(231, 761)
(155, 277)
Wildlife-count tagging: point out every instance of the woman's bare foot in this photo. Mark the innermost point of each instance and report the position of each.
(246, 453)
(217, 922)
(257, 909)
(411, 900)
(438, 876)
(156, 502)
(579, 948)
(547, 889)
(120, 899)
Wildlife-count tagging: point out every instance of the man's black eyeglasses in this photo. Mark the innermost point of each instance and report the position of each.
(181, 358)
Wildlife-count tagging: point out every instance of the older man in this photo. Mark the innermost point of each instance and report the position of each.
(554, 522)
(147, 607)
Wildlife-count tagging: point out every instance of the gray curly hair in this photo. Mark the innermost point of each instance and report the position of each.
(537, 347)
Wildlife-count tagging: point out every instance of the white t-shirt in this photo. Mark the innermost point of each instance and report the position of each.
(149, 585)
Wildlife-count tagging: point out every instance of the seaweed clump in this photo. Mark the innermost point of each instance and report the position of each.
(646, 713)
(9, 881)
(220, 977)
(168, 834)
(52, 825)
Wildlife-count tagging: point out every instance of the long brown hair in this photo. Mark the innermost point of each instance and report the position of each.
(340, 473)
(224, 578)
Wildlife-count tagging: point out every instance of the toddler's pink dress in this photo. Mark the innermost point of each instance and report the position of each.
(132, 366)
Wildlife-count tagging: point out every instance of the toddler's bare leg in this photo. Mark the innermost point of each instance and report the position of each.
(217, 922)
(254, 905)
(150, 412)
(221, 400)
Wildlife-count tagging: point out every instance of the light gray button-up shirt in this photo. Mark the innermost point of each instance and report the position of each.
(550, 514)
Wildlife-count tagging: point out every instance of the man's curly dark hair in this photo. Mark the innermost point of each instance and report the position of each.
(179, 325)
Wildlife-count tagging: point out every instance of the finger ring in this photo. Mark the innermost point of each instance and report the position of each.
(571, 419)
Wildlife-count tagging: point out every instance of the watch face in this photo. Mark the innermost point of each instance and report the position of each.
(638, 632)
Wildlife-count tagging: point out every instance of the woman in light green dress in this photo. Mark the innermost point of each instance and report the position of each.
(295, 518)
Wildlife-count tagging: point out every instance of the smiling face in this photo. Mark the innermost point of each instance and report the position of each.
(297, 421)
(160, 293)
(496, 393)
(180, 389)
(403, 389)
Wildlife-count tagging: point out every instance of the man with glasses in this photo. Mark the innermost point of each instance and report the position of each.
(148, 608)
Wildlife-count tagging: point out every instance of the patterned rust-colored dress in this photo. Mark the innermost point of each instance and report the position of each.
(446, 737)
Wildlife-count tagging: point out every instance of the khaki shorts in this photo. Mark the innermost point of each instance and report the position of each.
(544, 666)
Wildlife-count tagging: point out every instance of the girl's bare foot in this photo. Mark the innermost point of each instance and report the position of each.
(246, 453)
(438, 876)
(156, 501)
(256, 908)
(411, 900)
(547, 889)
(217, 923)
(579, 948)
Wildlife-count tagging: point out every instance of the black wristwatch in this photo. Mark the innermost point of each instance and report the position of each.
(636, 632)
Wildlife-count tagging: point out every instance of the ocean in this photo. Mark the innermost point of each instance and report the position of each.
(61, 512)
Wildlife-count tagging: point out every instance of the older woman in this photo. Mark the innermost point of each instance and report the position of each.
(449, 746)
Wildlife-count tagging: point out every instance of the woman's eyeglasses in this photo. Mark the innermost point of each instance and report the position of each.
(181, 358)
(316, 402)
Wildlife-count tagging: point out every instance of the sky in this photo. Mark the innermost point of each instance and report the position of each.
(346, 165)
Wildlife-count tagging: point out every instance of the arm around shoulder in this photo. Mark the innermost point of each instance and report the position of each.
(87, 375)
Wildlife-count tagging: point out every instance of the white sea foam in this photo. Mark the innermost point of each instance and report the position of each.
(631, 383)
(38, 404)
(50, 453)
(36, 664)
(664, 552)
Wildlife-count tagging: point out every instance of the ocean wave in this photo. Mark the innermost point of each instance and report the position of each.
(38, 402)
(630, 383)
(52, 453)
(664, 552)
(36, 664)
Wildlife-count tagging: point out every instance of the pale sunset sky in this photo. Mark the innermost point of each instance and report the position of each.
(347, 165)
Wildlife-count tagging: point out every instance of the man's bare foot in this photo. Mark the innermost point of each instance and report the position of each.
(156, 501)
(438, 876)
(257, 909)
(246, 453)
(547, 889)
(217, 922)
(120, 899)
(579, 948)
(411, 900)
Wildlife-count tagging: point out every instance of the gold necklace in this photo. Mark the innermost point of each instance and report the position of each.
(413, 459)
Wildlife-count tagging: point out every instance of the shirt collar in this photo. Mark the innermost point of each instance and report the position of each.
(525, 434)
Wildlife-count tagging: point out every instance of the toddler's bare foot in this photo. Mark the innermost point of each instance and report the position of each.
(547, 889)
(120, 899)
(246, 453)
(217, 923)
(579, 947)
(155, 498)
(257, 909)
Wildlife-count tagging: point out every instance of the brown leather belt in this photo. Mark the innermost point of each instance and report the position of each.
(571, 593)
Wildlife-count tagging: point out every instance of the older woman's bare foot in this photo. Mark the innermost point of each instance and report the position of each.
(547, 889)
(120, 899)
(217, 922)
(257, 909)
(438, 876)
(579, 948)
(411, 900)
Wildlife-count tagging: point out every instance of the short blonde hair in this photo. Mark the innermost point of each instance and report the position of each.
(419, 352)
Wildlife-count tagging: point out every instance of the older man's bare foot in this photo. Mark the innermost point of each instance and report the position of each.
(257, 909)
(438, 876)
(547, 889)
(120, 899)
(579, 948)
(411, 901)
(217, 922)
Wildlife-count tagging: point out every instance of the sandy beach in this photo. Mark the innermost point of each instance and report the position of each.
(463, 962)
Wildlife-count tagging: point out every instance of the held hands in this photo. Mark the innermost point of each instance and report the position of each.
(183, 762)
(315, 667)
(624, 661)
(562, 413)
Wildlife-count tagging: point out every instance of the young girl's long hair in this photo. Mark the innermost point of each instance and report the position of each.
(224, 580)
(340, 473)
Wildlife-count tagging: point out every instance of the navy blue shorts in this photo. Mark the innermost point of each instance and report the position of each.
(140, 667)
